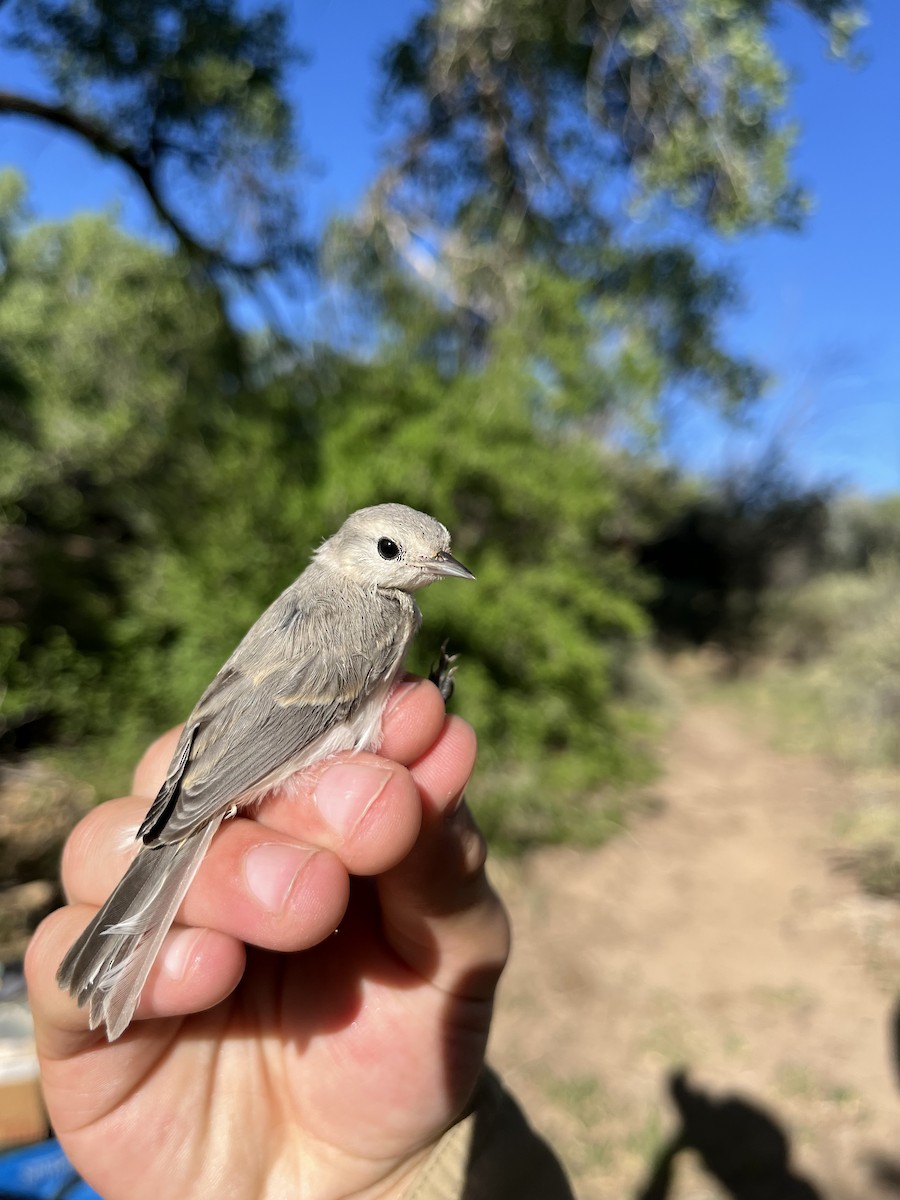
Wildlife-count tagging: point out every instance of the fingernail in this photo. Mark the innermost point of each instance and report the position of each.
(271, 870)
(453, 808)
(400, 692)
(345, 792)
(180, 950)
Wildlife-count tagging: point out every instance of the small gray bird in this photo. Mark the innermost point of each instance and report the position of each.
(309, 679)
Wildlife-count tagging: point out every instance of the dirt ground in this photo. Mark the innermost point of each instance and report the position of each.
(705, 1007)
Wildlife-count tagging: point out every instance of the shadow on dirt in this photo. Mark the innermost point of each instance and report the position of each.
(738, 1142)
(885, 1169)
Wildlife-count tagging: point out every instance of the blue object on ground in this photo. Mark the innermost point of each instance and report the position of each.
(41, 1172)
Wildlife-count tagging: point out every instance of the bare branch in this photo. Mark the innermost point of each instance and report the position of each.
(143, 168)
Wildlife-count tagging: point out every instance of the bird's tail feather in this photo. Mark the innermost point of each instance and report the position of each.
(109, 963)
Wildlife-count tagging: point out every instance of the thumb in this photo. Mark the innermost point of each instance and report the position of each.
(439, 911)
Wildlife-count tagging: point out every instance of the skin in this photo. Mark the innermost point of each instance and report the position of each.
(270, 1056)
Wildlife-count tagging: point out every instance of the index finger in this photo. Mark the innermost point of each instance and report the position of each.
(413, 720)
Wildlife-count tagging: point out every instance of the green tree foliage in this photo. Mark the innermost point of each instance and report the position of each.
(145, 526)
(718, 558)
(188, 96)
(534, 131)
(163, 476)
(862, 531)
(545, 101)
(120, 445)
(538, 510)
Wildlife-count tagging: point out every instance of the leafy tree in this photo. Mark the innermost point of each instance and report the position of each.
(719, 558)
(188, 96)
(534, 132)
(163, 476)
(863, 530)
(118, 446)
(546, 102)
(145, 525)
(542, 513)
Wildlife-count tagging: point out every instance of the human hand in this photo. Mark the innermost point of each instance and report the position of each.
(304, 1062)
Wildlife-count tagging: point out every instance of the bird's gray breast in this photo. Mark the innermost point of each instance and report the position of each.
(397, 622)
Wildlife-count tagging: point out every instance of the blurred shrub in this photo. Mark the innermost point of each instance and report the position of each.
(843, 629)
(869, 833)
(135, 469)
(161, 483)
(820, 618)
(862, 529)
(721, 553)
(828, 682)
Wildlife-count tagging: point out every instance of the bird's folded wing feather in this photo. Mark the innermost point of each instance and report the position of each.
(260, 713)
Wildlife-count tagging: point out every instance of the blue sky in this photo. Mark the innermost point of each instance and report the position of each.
(821, 308)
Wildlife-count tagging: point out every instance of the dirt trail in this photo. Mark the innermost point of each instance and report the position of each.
(716, 937)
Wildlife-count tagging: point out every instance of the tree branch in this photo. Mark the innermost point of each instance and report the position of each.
(143, 170)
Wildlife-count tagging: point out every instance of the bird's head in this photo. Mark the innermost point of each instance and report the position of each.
(392, 546)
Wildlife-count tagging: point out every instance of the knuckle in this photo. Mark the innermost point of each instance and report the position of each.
(472, 844)
(77, 847)
(40, 944)
(151, 767)
(89, 843)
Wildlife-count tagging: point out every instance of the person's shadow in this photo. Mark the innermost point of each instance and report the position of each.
(886, 1168)
(740, 1144)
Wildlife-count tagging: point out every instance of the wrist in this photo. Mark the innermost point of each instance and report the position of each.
(401, 1181)
(493, 1152)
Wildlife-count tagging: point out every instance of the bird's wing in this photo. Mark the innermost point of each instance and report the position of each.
(264, 709)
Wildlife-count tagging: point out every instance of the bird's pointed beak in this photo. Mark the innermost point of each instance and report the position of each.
(445, 564)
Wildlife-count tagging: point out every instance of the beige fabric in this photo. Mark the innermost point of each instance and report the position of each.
(492, 1154)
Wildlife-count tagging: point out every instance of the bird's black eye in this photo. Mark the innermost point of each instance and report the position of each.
(387, 548)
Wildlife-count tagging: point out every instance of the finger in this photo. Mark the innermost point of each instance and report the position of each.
(254, 884)
(364, 808)
(154, 764)
(195, 970)
(272, 886)
(413, 718)
(439, 911)
(279, 880)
